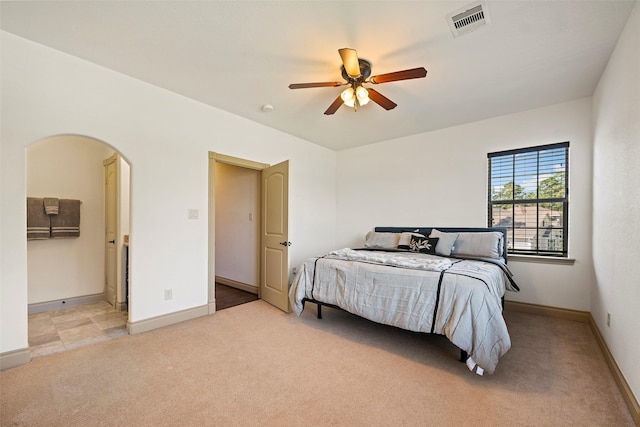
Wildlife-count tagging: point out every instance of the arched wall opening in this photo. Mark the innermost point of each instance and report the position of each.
(70, 271)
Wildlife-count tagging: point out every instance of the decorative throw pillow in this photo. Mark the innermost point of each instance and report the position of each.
(404, 242)
(425, 245)
(446, 242)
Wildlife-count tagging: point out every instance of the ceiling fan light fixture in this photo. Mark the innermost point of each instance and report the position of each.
(363, 95)
(348, 97)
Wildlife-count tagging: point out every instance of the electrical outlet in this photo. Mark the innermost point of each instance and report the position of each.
(193, 214)
(608, 319)
(168, 294)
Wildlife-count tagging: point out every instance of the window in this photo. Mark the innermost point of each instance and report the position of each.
(529, 195)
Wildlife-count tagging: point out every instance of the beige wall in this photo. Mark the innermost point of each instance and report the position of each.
(237, 223)
(616, 203)
(68, 167)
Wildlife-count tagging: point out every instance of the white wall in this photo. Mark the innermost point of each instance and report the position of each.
(616, 202)
(237, 223)
(439, 178)
(68, 167)
(166, 138)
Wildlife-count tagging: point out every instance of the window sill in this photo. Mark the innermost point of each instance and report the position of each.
(541, 259)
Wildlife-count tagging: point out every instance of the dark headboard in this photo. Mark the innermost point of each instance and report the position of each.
(427, 230)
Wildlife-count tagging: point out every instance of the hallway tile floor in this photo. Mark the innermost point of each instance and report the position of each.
(60, 330)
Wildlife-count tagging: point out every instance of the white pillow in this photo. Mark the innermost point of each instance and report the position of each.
(484, 244)
(446, 242)
(379, 240)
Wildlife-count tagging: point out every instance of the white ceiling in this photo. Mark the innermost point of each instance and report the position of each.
(239, 55)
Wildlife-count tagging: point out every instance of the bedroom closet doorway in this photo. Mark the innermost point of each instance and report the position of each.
(248, 228)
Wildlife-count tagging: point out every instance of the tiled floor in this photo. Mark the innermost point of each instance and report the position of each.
(74, 327)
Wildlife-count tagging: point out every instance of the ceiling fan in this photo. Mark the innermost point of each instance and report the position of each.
(357, 71)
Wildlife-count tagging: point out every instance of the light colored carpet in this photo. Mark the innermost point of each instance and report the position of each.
(254, 365)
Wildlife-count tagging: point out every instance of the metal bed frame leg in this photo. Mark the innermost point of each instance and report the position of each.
(463, 356)
(319, 310)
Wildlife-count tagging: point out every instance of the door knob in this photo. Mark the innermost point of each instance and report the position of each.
(285, 243)
(113, 242)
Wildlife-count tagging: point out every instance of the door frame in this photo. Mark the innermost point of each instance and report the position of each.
(114, 159)
(211, 270)
(123, 228)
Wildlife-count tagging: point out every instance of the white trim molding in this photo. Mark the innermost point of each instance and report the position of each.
(541, 259)
(167, 319)
(11, 359)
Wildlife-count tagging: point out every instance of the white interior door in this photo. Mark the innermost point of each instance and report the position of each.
(111, 166)
(275, 243)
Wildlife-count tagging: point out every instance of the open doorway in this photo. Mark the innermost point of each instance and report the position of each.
(271, 266)
(67, 302)
(237, 225)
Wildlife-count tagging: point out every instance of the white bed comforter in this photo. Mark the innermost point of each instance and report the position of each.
(400, 289)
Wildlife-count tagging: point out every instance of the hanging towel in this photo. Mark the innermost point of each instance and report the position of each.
(51, 206)
(67, 222)
(38, 224)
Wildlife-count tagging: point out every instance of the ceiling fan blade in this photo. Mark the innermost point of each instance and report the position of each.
(307, 85)
(350, 61)
(414, 73)
(334, 106)
(381, 100)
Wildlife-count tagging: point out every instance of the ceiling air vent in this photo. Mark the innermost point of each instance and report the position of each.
(468, 19)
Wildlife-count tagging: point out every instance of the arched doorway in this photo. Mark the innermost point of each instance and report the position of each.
(67, 301)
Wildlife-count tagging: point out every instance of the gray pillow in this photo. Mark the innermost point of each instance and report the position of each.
(445, 242)
(379, 240)
(484, 244)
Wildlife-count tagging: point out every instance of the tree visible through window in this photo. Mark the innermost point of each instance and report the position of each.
(529, 195)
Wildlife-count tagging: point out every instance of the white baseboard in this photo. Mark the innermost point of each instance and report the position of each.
(212, 306)
(167, 319)
(41, 307)
(11, 359)
(238, 285)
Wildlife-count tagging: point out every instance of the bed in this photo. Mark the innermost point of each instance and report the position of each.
(447, 281)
